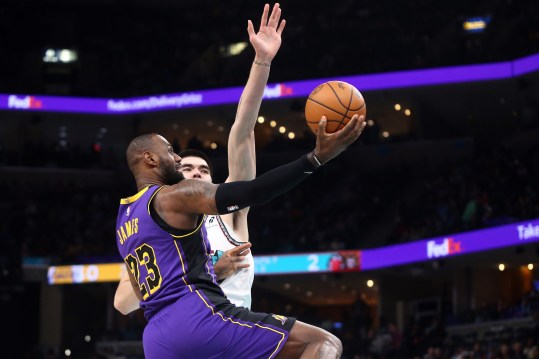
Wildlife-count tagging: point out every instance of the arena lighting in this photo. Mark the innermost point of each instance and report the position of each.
(530, 266)
(397, 107)
(261, 119)
(273, 123)
(291, 135)
(370, 283)
(282, 129)
(60, 55)
(407, 112)
(501, 267)
(371, 82)
(476, 24)
(233, 49)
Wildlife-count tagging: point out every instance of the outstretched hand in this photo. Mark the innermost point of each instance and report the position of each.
(267, 40)
(330, 145)
(231, 261)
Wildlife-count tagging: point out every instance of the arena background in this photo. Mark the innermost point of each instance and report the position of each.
(456, 173)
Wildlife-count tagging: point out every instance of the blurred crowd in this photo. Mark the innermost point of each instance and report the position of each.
(433, 338)
(333, 210)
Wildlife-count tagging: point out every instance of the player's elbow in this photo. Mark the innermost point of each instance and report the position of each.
(121, 306)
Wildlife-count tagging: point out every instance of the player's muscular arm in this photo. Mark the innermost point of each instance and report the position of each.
(199, 197)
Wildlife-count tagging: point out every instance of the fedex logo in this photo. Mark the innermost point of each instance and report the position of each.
(447, 247)
(279, 90)
(27, 102)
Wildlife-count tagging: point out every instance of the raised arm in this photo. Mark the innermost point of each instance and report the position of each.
(241, 143)
(241, 140)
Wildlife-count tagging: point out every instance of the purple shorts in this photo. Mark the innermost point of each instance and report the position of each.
(201, 325)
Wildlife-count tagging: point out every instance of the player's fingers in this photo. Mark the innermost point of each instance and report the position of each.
(250, 28)
(236, 259)
(322, 126)
(237, 250)
(281, 27)
(348, 128)
(353, 134)
(241, 247)
(363, 125)
(360, 125)
(243, 265)
(264, 20)
(275, 15)
(245, 252)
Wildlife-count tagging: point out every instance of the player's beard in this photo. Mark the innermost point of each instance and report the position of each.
(170, 175)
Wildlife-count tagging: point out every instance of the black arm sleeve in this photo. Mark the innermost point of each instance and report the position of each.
(233, 196)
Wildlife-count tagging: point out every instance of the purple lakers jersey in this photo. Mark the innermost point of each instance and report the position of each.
(166, 266)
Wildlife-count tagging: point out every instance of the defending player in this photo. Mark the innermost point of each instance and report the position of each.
(228, 234)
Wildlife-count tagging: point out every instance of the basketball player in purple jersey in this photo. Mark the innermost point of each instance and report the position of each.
(159, 235)
(228, 234)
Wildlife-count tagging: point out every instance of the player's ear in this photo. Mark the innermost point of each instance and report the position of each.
(150, 158)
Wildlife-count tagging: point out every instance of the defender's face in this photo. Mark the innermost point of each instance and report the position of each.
(196, 168)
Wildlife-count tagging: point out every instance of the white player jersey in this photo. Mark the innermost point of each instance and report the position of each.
(237, 287)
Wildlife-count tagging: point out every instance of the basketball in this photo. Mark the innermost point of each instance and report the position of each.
(338, 101)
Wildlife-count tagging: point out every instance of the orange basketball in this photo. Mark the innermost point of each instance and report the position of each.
(338, 101)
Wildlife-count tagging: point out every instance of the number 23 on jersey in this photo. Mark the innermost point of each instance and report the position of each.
(145, 256)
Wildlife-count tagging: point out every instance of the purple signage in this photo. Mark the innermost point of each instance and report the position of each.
(371, 82)
(457, 244)
(135, 104)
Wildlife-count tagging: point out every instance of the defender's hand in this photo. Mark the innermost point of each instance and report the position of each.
(267, 41)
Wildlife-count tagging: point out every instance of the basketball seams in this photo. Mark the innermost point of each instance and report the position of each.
(337, 96)
(326, 98)
(347, 108)
(326, 106)
(342, 124)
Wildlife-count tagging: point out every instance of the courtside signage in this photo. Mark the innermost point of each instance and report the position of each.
(342, 261)
(447, 247)
(457, 244)
(371, 82)
(85, 273)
